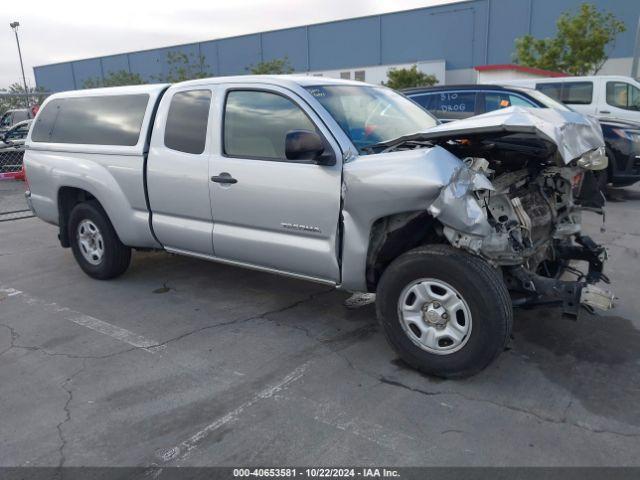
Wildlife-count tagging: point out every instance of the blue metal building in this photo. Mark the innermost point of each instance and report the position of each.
(454, 37)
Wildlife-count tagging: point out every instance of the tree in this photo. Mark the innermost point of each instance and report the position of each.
(114, 79)
(276, 66)
(581, 45)
(183, 67)
(399, 78)
(17, 99)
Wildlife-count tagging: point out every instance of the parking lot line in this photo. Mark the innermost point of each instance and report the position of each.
(87, 321)
(184, 448)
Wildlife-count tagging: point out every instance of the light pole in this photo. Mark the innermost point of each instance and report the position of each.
(14, 26)
(636, 53)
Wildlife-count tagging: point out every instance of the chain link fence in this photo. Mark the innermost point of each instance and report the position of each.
(16, 112)
(11, 163)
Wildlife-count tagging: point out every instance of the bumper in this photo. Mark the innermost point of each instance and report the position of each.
(27, 197)
(626, 169)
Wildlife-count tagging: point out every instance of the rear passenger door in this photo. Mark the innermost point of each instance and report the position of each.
(178, 171)
(268, 211)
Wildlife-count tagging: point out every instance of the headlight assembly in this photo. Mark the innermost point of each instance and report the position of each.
(594, 160)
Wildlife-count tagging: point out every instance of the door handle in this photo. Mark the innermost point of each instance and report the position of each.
(224, 177)
(605, 111)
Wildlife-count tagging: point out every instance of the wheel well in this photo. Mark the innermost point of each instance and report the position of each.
(396, 234)
(69, 197)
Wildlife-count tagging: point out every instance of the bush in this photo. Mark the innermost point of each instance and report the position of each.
(399, 78)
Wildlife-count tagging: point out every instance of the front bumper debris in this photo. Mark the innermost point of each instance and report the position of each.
(537, 290)
(595, 297)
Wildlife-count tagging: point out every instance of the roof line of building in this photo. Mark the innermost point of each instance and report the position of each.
(97, 57)
(519, 68)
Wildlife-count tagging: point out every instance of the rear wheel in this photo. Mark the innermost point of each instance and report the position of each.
(95, 244)
(447, 313)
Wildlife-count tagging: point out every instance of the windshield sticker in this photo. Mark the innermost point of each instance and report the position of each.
(317, 92)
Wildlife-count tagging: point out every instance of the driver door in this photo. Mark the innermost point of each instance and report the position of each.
(270, 212)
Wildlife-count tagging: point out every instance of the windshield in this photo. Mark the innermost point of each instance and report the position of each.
(546, 100)
(371, 115)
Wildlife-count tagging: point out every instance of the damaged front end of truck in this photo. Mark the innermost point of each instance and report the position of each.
(515, 200)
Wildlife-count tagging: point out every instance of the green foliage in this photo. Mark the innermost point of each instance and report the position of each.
(36, 97)
(276, 66)
(580, 44)
(114, 79)
(399, 78)
(183, 67)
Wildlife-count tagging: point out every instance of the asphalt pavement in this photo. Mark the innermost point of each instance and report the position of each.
(185, 362)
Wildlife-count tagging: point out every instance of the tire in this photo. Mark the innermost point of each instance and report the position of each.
(110, 257)
(484, 305)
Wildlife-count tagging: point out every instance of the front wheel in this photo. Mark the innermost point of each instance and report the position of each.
(95, 243)
(446, 312)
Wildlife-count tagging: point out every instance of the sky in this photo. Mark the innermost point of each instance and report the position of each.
(62, 30)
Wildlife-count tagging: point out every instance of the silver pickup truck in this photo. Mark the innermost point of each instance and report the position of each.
(338, 182)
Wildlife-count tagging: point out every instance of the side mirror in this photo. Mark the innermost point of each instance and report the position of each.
(306, 145)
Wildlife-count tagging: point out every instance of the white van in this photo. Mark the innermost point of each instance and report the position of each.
(605, 96)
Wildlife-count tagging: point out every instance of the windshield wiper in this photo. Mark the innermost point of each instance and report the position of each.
(394, 143)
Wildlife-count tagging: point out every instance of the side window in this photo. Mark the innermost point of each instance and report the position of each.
(425, 100)
(453, 105)
(517, 101)
(103, 120)
(186, 128)
(256, 124)
(623, 95)
(43, 127)
(577, 93)
(20, 116)
(5, 121)
(495, 101)
(553, 90)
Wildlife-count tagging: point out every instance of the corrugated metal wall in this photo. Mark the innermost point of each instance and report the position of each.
(465, 34)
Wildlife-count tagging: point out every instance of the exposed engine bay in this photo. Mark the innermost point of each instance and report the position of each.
(509, 186)
(533, 219)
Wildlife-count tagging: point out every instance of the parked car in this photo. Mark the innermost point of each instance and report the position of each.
(604, 96)
(11, 117)
(452, 102)
(16, 135)
(333, 181)
(12, 147)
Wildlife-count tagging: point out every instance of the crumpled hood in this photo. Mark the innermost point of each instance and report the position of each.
(573, 133)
